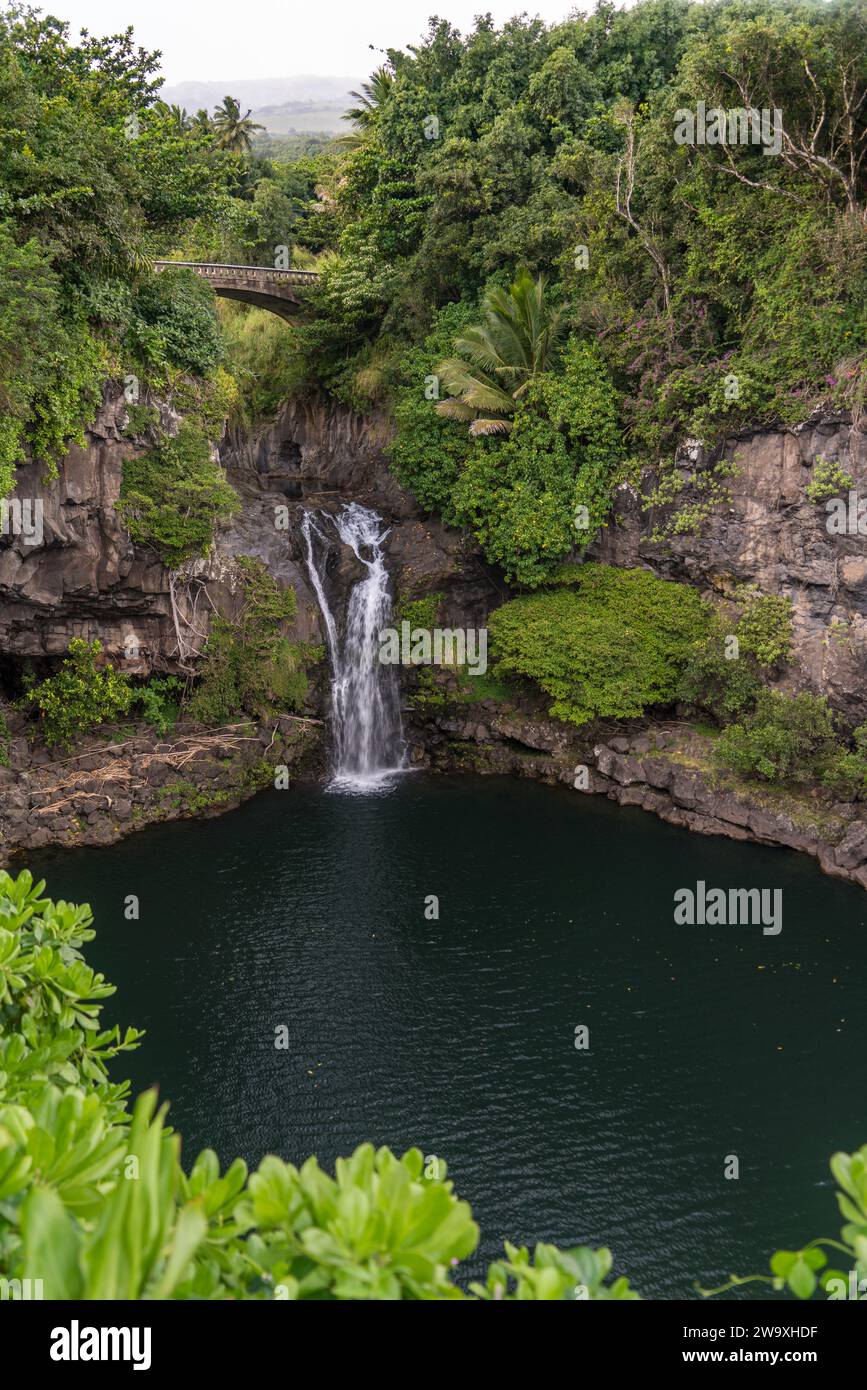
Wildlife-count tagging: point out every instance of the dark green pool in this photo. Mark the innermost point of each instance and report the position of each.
(306, 908)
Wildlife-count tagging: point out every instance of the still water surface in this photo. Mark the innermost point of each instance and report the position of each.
(306, 908)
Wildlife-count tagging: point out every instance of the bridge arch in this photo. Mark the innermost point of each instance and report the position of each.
(280, 291)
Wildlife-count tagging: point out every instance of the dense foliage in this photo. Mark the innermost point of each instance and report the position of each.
(250, 666)
(678, 289)
(174, 495)
(534, 494)
(717, 286)
(82, 695)
(794, 738)
(166, 321)
(95, 1203)
(86, 691)
(605, 643)
(94, 181)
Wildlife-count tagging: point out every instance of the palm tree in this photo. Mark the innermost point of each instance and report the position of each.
(176, 115)
(234, 131)
(370, 100)
(499, 357)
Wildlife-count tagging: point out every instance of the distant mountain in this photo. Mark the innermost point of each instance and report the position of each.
(281, 104)
(295, 116)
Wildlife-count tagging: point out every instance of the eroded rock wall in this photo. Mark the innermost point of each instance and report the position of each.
(317, 454)
(88, 579)
(768, 533)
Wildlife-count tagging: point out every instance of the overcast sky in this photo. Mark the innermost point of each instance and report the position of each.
(215, 39)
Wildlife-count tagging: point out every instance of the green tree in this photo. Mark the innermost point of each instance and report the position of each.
(273, 216)
(371, 99)
(81, 696)
(176, 115)
(51, 368)
(606, 643)
(500, 357)
(234, 132)
(94, 177)
(533, 497)
(174, 495)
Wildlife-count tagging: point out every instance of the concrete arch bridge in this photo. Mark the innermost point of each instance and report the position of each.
(280, 291)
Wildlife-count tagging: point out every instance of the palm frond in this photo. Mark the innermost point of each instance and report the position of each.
(487, 427)
(499, 357)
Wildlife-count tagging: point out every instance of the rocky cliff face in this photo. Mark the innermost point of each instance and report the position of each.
(318, 455)
(769, 534)
(87, 579)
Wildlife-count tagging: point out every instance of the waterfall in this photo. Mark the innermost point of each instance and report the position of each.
(365, 700)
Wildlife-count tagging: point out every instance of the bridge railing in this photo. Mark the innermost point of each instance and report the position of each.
(215, 271)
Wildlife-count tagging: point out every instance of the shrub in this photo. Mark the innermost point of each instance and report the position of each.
(382, 1228)
(828, 480)
(418, 612)
(173, 322)
(764, 628)
(81, 696)
(173, 496)
(846, 773)
(726, 679)
(249, 666)
(788, 738)
(139, 420)
(713, 679)
(695, 498)
(607, 643)
(160, 703)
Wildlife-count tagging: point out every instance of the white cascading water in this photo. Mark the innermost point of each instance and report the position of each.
(365, 699)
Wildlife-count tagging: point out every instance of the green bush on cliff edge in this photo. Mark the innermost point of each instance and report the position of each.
(173, 496)
(605, 643)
